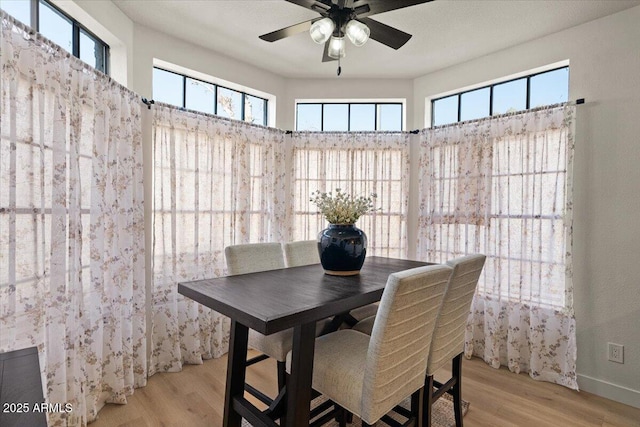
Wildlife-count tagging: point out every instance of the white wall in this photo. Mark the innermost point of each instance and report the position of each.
(604, 60)
(106, 21)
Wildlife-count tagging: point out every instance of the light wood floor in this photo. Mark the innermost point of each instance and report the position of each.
(195, 397)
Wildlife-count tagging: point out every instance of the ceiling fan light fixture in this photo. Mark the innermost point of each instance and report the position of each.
(336, 48)
(357, 32)
(321, 30)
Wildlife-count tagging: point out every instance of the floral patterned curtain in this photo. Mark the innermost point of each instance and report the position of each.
(359, 163)
(71, 225)
(502, 186)
(217, 182)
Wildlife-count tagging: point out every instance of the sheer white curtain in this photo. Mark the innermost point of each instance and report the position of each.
(360, 163)
(217, 182)
(502, 186)
(71, 225)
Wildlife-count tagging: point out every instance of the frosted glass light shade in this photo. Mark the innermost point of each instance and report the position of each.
(357, 32)
(321, 30)
(336, 48)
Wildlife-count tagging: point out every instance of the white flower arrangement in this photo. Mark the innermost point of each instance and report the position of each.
(341, 208)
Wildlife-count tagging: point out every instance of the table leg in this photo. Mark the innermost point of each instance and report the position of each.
(299, 383)
(236, 370)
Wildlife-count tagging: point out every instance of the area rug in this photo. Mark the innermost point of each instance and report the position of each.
(442, 415)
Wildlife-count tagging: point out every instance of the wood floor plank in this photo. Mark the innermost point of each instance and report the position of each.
(195, 397)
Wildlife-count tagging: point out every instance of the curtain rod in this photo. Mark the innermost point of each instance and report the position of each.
(149, 102)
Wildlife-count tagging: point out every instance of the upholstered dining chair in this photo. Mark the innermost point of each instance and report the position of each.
(305, 252)
(252, 258)
(301, 252)
(447, 344)
(369, 375)
(448, 337)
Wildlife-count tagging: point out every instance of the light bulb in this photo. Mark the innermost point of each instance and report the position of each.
(336, 48)
(321, 30)
(357, 32)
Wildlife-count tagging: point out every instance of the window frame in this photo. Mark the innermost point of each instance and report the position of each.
(491, 86)
(215, 95)
(376, 104)
(76, 28)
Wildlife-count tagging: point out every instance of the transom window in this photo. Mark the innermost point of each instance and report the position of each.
(194, 94)
(61, 29)
(349, 116)
(523, 93)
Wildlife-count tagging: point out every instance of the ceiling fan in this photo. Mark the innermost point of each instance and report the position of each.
(346, 17)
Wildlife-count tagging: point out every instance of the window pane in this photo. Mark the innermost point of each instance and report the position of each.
(549, 88)
(509, 97)
(229, 103)
(309, 117)
(255, 110)
(56, 27)
(474, 104)
(445, 110)
(362, 117)
(92, 51)
(89, 51)
(200, 96)
(167, 87)
(335, 117)
(390, 117)
(19, 9)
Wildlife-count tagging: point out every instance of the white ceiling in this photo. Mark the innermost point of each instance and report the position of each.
(445, 32)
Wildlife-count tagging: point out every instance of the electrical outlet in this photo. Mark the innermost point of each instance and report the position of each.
(616, 352)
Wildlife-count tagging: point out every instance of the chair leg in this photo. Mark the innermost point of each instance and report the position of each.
(427, 401)
(282, 375)
(341, 415)
(417, 406)
(349, 417)
(456, 370)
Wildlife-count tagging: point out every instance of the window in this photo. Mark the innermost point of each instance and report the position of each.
(488, 190)
(535, 90)
(61, 29)
(194, 94)
(330, 161)
(349, 116)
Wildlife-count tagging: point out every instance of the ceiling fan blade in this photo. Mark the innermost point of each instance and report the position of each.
(325, 55)
(345, 3)
(312, 4)
(288, 31)
(385, 34)
(380, 6)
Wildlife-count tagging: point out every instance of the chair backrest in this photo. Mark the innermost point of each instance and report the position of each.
(253, 257)
(401, 337)
(448, 337)
(302, 252)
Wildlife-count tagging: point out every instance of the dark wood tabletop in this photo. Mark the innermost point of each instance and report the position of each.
(272, 301)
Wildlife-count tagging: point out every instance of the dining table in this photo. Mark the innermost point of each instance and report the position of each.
(275, 300)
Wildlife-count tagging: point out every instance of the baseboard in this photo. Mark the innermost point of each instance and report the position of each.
(610, 391)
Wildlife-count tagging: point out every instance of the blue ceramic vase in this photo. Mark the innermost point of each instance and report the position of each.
(342, 249)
